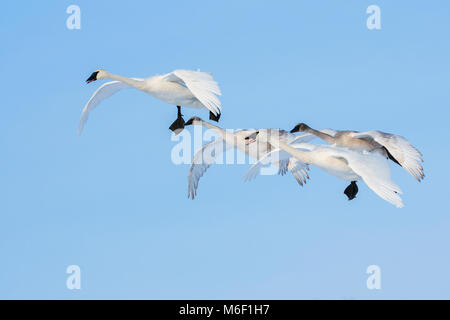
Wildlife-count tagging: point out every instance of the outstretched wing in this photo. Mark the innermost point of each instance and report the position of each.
(202, 160)
(104, 91)
(286, 163)
(276, 156)
(401, 150)
(203, 87)
(374, 170)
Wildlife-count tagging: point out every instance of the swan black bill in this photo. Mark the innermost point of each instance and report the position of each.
(92, 77)
(296, 129)
(252, 136)
(301, 127)
(351, 191)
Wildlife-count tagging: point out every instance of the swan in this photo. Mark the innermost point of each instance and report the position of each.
(208, 153)
(346, 164)
(193, 89)
(396, 148)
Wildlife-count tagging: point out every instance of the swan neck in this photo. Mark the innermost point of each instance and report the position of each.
(226, 135)
(303, 156)
(326, 137)
(131, 82)
(213, 127)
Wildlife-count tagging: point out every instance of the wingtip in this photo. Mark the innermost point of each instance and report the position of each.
(191, 194)
(80, 128)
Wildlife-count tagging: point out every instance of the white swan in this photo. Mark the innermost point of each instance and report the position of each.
(193, 89)
(277, 154)
(396, 148)
(208, 153)
(372, 168)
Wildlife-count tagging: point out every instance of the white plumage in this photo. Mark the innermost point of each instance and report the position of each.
(192, 89)
(208, 153)
(349, 165)
(393, 146)
(400, 148)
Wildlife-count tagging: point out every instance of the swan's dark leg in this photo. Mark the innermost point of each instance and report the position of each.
(178, 125)
(213, 117)
(351, 191)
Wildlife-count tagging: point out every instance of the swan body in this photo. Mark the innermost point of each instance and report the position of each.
(192, 89)
(394, 147)
(346, 164)
(208, 153)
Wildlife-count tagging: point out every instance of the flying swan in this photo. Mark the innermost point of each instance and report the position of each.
(370, 167)
(208, 153)
(396, 148)
(193, 89)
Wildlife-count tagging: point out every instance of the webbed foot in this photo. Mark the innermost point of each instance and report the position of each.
(178, 125)
(351, 191)
(213, 117)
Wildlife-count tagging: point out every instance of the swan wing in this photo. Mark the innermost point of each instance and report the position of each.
(203, 87)
(104, 91)
(304, 137)
(286, 163)
(201, 161)
(374, 170)
(401, 150)
(283, 167)
(307, 137)
(299, 170)
(276, 156)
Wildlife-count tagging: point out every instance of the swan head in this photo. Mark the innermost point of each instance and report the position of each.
(301, 127)
(194, 120)
(98, 74)
(249, 138)
(271, 136)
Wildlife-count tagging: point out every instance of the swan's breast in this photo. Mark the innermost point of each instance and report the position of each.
(172, 93)
(336, 167)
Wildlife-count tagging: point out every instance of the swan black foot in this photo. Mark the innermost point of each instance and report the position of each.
(351, 191)
(214, 117)
(178, 125)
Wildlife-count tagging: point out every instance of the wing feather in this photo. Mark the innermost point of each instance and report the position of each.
(203, 87)
(104, 91)
(299, 170)
(286, 163)
(201, 161)
(374, 170)
(401, 149)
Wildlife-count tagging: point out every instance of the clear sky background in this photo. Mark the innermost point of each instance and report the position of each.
(112, 202)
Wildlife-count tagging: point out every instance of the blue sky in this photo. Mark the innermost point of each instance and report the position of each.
(112, 202)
